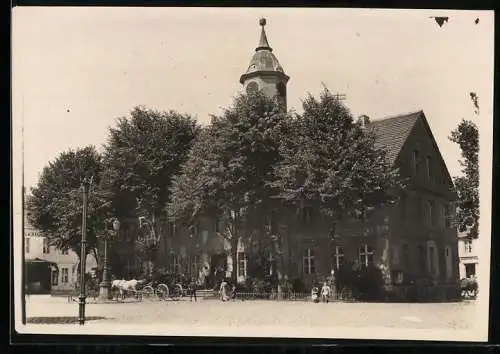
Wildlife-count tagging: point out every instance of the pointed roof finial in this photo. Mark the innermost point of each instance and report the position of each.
(263, 44)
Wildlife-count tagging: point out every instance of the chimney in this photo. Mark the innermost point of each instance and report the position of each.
(363, 120)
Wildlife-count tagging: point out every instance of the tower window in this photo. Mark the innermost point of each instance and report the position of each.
(281, 88)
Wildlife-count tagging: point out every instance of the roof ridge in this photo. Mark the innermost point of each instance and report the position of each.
(400, 115)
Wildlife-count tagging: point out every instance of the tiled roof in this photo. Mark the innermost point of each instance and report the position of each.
(392, 132)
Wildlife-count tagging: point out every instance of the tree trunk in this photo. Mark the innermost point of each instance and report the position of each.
(234, 257)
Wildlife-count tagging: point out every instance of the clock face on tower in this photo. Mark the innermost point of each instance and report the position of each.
(252, 87)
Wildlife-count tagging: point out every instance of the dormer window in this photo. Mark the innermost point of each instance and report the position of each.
(253, 67)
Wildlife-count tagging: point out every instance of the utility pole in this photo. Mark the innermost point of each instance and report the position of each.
(83, 254)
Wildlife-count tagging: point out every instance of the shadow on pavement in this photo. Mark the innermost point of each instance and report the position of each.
(61, 319)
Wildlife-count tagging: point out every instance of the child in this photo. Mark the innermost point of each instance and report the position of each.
(314, 294)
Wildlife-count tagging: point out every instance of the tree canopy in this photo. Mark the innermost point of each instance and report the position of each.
(142, 154)
(466, 135)
(228, 171)
(56, 202)
(330, 162)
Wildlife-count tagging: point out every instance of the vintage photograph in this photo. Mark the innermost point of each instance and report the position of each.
(252, 172)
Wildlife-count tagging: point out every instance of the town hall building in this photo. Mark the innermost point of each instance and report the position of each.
(414, 241)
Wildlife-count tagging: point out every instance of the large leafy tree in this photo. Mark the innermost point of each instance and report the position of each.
(143, 153)
(229, 169)
(56, 203)
(331, 164)
(466, 135)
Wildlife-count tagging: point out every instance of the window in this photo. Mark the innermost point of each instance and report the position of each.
(415, 162)
(448, 256)
(307, 216)
(64, 276)
(338, 257)
(429, 169)
(397, 277)
(421, 258)
(448, 218)
(405, 254)
(431, 213)
(175, 265)
(27, 245)
(54, 277)
(65, 251)
(402, 206)
(468, 245)
(432, 252)
(204, 236)
(46, 248)
(308, 266)
(365, 254)
(194, 265)
(432, 258)
(395, 254)
(242, 264)
(270, 263)
(442, 216)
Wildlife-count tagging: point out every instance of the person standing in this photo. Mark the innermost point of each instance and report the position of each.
(223, 291)
(314, 294)
(192, 291)
(325, 292)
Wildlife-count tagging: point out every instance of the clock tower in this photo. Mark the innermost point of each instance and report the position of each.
(265, 73)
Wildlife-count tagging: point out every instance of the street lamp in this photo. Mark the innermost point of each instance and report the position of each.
(105, 284)
(86, 183)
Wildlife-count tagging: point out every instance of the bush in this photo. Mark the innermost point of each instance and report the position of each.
(366, 283)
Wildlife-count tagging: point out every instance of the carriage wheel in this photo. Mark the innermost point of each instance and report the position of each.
(346, 294)
(176, 292)
(147, 292)
(162, 292)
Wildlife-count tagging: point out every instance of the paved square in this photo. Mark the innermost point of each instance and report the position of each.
(450, 316)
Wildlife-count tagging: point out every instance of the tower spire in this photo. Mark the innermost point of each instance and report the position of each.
(263, 43)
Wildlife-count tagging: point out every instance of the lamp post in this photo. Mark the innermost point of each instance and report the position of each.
(104, 293)
(83, 255)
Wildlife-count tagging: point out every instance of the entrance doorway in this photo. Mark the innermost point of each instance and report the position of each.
(218, 268)
(470, 270)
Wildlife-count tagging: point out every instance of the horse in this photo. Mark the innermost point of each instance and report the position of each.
(468, 287)
(126, 286)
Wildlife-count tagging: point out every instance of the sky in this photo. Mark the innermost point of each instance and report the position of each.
(76, 70)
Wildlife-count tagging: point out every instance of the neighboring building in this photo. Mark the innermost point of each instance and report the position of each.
(60, 265)
(467, 251)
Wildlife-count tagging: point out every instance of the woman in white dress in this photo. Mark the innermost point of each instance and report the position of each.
(223, 291)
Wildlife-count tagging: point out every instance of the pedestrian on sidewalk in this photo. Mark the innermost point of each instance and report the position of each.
(223, 291)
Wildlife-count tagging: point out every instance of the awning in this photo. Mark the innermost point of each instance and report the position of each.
(40, 261)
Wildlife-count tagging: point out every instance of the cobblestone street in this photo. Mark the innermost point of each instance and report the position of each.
(207, 313)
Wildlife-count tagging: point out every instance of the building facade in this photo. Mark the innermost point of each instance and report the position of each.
(414, 241)
(467, 251)
(61, 265)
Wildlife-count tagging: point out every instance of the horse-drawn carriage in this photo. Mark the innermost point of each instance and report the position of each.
(159, 286)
